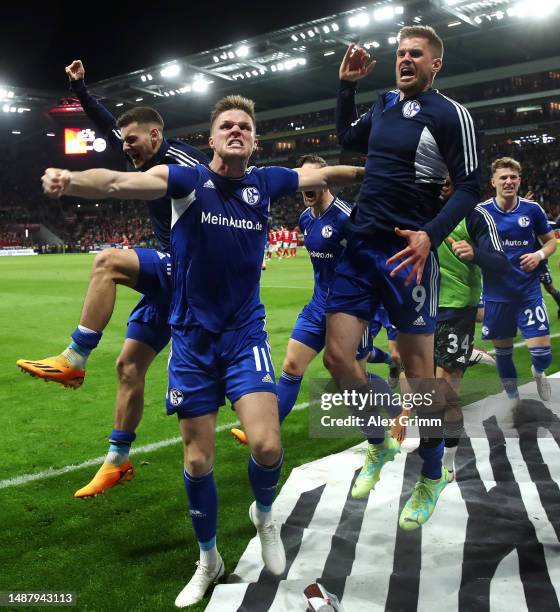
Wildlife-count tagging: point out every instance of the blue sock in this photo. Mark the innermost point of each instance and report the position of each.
(378, 355)
(506, 370)
(203, 507)
(432, 456)
(84, 340)
(541, 358)
(287, 389)
(119, 446)
(264, 480)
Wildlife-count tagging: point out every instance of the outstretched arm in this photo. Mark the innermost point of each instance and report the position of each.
(329, 176)
(100, 183)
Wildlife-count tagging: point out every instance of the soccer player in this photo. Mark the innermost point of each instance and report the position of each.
(472, 245)
(219, 345)
(293, 242)
(414, 137)
(323, 223)
(545, 276)
(515, 300)
(139, 134)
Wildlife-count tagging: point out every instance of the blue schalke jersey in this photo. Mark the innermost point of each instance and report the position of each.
(218, 233)
(518, 229)
(323, 237)
(411, 146)
(170, 152)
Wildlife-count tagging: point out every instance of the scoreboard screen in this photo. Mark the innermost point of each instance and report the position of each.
(80, 141)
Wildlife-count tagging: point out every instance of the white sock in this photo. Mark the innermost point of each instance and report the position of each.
(449, 458)
(209, 558)
(262, 517)
(76, 359)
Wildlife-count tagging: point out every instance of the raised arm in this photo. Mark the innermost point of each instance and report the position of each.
(100, 183)
(353, 132)
(330, 176)
(101, 117)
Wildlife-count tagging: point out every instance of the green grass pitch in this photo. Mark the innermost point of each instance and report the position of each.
(133, 548)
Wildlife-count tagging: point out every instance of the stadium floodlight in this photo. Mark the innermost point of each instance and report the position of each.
(200, 85)
(373, 44)
(477, 20)
(248, 73)
(166, 94)
(538, 9)
(170, 71)
(223, 55)
(16, 132)
(359, 21)
(51, 134)
(143, 78)
(255, 72)
(326, 29)
(216, 59)
(383, 13)
(242, 51)
(119, 104)
(310, 33)
(273, 68)
(302, 35)
(399, 10)
(150, 77)
(139, 99)
(3, 93)
(454, 24)
(231, 54)
(392, 40)
(13, 109)
(499, 15)
(302, 61)
(6, 108)
(280, 66)
(11, 94)
(334, 27)
(171, 92)
(327, 53)
(294, 37)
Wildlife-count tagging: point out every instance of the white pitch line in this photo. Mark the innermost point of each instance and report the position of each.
(147, 448)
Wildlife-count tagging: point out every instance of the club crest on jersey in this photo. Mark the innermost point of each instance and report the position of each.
(524, 221)
(176, 397)
(327, 231)
(251, 195)
(410, 109)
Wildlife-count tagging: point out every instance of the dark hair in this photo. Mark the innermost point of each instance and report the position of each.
(233, 102)
(423, 31)
(140, 114)
(310, 158)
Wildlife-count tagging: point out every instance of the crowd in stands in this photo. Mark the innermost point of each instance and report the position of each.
(84, 226)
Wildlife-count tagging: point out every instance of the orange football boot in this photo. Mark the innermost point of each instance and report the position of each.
(57, 369)
(239, 435)
(107, 476)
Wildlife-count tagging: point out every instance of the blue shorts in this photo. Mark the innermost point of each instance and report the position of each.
(362, 282)
(313, 333)
(205, 368)
(381, 319)
(501, 319)
(147, 323)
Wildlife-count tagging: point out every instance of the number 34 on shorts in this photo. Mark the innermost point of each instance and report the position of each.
(502, 319)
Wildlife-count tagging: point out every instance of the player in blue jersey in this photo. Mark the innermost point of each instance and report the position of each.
(515, 300)
(219, 345)
(138, 133)
(413, 137)
(323, 224)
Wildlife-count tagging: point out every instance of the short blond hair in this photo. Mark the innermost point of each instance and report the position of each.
(506, 162)
(233, 102)
(423, 31)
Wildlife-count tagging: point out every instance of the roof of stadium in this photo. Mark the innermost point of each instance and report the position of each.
(296, 66)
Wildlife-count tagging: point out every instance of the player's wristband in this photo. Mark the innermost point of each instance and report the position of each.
(541, 254)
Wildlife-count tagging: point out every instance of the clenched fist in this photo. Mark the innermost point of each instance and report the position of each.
(75, 71)
(56, 182)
